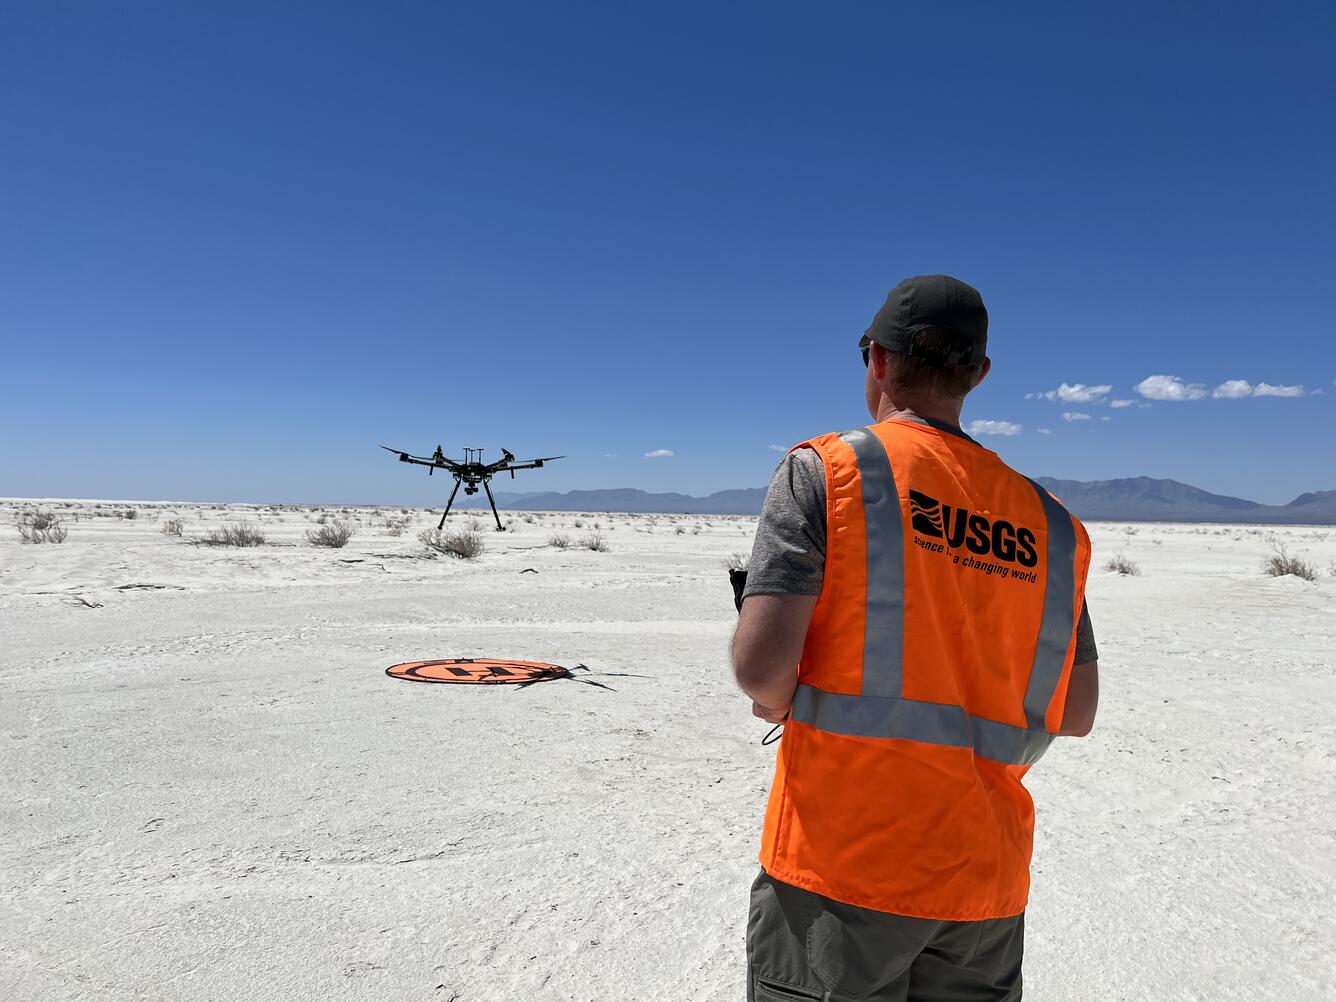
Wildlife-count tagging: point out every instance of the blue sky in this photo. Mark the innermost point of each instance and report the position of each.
(240, 246)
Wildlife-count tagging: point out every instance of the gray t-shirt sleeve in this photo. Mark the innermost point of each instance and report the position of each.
(789, 554)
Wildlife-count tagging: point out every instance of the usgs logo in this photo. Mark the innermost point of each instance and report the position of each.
(979, 535)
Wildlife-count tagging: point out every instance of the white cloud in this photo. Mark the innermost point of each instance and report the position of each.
(1233, 388)
(1169, 388)
(659, 454)
(1075, 416)
(1074, 393)
(610, 455)
(1268, 390)
(1044, 431)
(1106, 418)
(776, 448)
(1121, 403)
(995, 428)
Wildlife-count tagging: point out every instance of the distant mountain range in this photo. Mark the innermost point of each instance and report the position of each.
(1143, 499)
(1135, 499)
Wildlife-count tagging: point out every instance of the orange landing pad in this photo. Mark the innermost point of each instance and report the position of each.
(477, 671)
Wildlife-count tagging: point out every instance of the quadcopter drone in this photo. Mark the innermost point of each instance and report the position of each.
(472, 471)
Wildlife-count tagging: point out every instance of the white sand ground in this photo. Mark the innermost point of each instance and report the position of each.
(212, 791)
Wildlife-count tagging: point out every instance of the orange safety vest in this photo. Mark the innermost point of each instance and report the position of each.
(934, 674)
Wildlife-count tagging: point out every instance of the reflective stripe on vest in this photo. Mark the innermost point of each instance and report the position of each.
(1055, 631)
(881, 711)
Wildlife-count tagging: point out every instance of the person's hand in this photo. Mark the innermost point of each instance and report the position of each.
(770, 714)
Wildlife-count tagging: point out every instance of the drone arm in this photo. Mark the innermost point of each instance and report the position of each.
(436, 464)
(528, 464)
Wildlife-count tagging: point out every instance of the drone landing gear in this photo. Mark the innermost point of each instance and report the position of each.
(441, 524)
(472, 490)
(490, 500)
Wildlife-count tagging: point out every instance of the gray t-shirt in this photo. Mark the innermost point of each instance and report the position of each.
(789, 554)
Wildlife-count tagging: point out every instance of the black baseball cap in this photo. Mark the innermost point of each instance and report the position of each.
(939, 302)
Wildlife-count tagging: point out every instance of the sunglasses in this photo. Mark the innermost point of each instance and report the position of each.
(866, 351)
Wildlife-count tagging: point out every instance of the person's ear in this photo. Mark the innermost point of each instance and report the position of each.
(878, 361)
(983, 370)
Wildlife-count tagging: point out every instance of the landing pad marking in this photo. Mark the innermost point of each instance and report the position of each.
(477, 671)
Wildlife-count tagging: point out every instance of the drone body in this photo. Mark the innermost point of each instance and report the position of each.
(472, 471)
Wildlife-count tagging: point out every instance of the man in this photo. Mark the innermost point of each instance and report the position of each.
(914, 614)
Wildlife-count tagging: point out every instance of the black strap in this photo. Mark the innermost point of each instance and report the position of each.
(772, 736)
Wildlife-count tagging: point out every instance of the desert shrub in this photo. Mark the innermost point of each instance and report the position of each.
(466, 545)
(737, 561)
(595, 541)
(1281, 563)
(321, 519)
(680, 530)
(1120, 564)
(41, 526)
(559, 539)
(579, 523)
(396, 526)
(130, 513)
(173, 526)
(237, 534)
(334, 535)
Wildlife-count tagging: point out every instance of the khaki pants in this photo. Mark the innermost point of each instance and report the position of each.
(802, 947)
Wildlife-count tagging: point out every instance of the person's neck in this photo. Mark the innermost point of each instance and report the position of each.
(945, 411)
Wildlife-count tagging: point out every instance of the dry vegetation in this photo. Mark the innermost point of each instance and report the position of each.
(1120, 564)
(1281, 563)
(41, 526)
(466, 544)
(236, 534)
(173, 526)
(334, 535)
